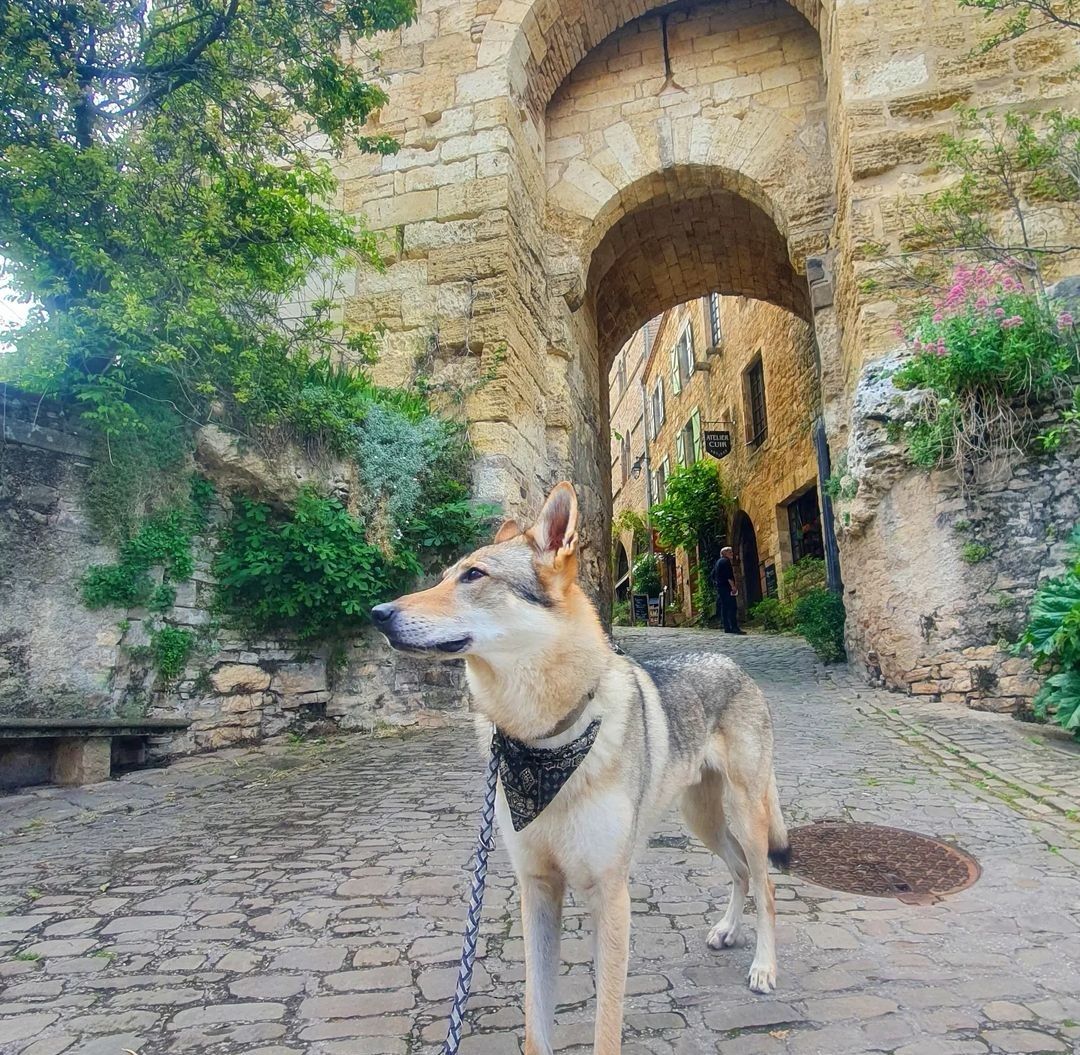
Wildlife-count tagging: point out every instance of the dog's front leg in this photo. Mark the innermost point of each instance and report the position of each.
(541, 920)
(611, 912)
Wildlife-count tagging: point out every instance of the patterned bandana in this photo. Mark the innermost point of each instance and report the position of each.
(532, 776)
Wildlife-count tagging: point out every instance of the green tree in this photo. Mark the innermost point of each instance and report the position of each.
(1017, 17)
(163, 194)
(1006, 169)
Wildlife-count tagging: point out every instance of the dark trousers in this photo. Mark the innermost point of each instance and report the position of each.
(727, 608)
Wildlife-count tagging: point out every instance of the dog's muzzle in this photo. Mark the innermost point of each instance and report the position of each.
(385, 619)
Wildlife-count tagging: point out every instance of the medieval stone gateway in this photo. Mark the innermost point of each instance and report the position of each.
(569, 171)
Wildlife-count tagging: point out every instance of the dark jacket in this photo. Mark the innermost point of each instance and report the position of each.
(723, 574)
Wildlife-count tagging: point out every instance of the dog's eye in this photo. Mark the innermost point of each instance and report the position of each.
(472, 574)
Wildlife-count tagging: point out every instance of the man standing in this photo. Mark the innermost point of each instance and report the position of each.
(727, 592)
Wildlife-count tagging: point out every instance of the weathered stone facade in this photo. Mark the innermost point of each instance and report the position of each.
(570, 171)
(59, 659)
(766, 476)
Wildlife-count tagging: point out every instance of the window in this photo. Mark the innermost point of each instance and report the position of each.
(804, 523)
(682, 360)
(714, 319)
(648, 332)
(688, 441)
(756, 419)
(622, 373)
(657, 407)
(624, 456)
(661, 480)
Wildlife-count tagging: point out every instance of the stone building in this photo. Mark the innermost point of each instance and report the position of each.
(746, 368)
(569, 171)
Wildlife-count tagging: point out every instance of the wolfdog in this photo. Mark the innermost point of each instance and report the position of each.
(594, 748)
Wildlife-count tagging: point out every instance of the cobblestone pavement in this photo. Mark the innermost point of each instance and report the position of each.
(309, 898)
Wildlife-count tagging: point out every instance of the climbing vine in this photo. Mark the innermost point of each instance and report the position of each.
(696, 503)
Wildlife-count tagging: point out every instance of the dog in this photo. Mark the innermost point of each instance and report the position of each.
(594, 748)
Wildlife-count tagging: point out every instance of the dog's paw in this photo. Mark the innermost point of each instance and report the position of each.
(724, 935)
(762, 978)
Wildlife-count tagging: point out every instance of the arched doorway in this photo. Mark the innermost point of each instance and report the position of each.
(746, 553)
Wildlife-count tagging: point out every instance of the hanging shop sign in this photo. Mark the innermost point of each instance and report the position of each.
(718, 444)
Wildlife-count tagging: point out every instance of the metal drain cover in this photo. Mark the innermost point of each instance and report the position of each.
(881, 862)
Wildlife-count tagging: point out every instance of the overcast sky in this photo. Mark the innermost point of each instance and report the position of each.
(11, 311)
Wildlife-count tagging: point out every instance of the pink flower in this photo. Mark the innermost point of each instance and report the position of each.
(917, 345)
(999, 312)
(1012, 322)
(897, 329)
(982, 303)
(941, 349)
(938, 316)
(1065, 320)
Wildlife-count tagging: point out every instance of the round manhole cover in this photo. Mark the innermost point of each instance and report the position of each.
(882, 862)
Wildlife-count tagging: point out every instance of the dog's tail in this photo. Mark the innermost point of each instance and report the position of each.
(779, 847)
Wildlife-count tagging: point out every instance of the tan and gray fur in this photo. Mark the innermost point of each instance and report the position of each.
(694, 729)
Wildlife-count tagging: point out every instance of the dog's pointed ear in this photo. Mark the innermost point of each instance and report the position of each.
(555, 530)
(510, 529)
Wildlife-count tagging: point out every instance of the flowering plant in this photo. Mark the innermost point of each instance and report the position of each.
(986, 355)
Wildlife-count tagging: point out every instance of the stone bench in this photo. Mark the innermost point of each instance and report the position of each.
(72, 751)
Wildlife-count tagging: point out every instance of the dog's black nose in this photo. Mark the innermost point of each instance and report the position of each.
(381, 614)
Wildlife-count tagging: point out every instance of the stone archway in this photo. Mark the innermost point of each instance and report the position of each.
(536, 133)
(746, 549)
(537, 44)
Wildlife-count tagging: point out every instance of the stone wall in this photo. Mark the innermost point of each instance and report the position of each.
(59, 659)
(562, 180)
(55, 656)
(628, 420)
(951, 570)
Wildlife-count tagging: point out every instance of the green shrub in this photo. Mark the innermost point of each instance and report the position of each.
(115, 585)
(773, 615)
(162, 539)
(975, 552)
(801, 577)
(1053, 635)
(311, 570)
(170, 647)
(704, 599)
(819, 617)
(986, 356)
(620, 613)
(646, 575)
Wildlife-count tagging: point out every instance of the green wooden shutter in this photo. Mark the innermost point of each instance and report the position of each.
(695, 425)
(676, 382)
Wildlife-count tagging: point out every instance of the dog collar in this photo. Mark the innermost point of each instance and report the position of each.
(532, 776)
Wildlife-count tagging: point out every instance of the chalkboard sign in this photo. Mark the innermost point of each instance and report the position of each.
(718, 444)
(641, 608)
(770, 580)
(655, 611)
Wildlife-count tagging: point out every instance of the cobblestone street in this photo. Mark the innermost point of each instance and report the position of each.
(309, 898)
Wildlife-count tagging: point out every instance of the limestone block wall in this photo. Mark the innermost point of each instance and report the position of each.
(55, 656)
(59, 659)
(950, 572)
(553, 192)
(628, 420)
